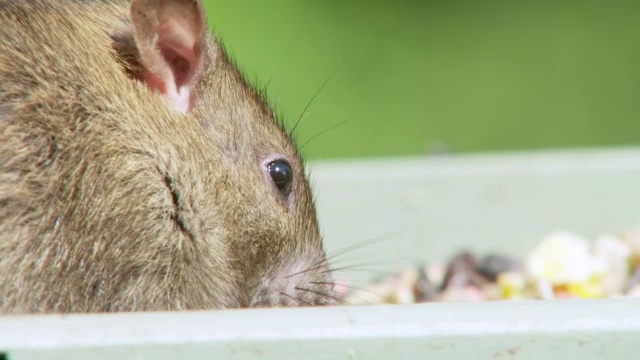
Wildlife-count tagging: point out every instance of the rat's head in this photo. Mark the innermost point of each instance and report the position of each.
(238, 220)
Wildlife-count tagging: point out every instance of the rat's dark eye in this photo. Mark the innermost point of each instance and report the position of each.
(282, 175)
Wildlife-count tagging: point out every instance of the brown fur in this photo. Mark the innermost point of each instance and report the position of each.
(112, 201)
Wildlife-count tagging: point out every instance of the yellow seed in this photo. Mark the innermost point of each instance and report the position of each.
(512, 285)
(590, 289)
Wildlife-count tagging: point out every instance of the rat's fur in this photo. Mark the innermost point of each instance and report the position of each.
(111, 200)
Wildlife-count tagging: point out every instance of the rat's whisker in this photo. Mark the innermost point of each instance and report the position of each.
(348, 286)
(306, 270)
(364, 263)
(357, 246)
(364, 243)
(321, 293)
(324, 131)
(296, 299)
(353, 267)
(311, 101)
(323, 263)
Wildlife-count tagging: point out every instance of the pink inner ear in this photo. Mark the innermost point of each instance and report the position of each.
(181, 66)
(176, 44)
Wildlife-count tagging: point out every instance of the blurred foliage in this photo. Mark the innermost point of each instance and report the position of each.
(418, 75)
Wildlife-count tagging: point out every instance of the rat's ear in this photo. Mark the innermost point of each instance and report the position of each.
(171, 39)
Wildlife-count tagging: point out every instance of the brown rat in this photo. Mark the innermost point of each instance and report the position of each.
(139, 171)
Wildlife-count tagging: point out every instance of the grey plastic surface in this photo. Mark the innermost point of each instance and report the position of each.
(428, 209)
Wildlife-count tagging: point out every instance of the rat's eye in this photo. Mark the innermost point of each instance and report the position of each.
(282, 175)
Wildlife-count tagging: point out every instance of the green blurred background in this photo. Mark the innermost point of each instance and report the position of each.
(420, 76)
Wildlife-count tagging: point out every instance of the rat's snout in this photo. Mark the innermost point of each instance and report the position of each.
(299, 283)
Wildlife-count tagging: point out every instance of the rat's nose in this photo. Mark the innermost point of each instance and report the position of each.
(300, 283)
